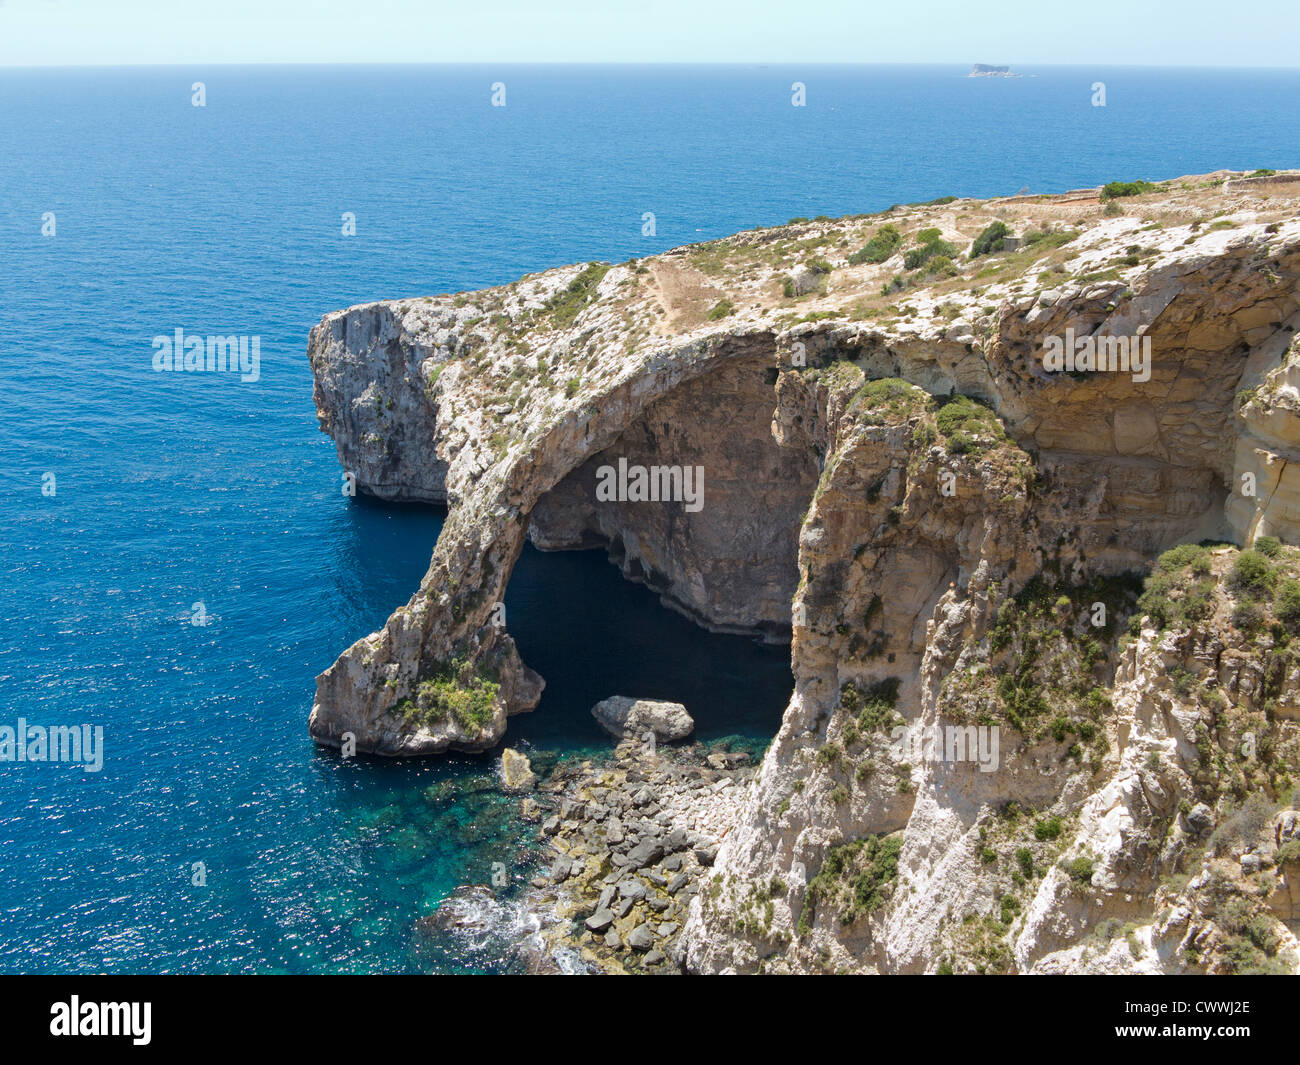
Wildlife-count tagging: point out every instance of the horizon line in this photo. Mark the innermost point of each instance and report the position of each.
(628, 63)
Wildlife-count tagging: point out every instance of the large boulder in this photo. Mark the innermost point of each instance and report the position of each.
(626, 718)
(516, 771)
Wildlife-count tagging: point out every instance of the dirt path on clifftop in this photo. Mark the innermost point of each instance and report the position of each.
(684, 293)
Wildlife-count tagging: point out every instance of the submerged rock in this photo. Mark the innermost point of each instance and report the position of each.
(516, 772)
(626, 718)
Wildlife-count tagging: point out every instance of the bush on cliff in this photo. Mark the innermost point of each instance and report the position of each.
(1252, 574)
(929, 245)
(1114, 190)
(1180, 591)
(881, 246)
(457, 691)
(969, 427)
(992, 239)
(1287, 605)
(855, 878)
(565, 306)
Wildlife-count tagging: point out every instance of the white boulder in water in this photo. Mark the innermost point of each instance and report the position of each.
(626, 718)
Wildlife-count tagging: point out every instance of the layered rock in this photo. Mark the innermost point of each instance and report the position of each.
(883, 472)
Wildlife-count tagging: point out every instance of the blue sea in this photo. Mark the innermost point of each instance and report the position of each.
(174, 490)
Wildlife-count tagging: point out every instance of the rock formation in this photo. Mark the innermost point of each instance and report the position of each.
(1017, 742)
(625, 718)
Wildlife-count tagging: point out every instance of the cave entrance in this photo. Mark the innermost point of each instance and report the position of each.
(724, 560)
(726, 553)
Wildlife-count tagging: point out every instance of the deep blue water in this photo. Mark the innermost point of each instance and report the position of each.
(174, 489)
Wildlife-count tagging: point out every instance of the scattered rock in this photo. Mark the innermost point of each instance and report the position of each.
(1200, 819)
(646, 853)
(561, 868)
(631, 889)
(641, 938)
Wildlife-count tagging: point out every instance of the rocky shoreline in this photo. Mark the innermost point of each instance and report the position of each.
(627, 839)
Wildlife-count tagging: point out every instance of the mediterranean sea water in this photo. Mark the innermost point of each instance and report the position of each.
(130, 497)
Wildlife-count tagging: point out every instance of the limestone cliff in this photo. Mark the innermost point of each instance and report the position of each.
(952, 535)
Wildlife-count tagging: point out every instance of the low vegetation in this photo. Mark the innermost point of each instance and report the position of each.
(457, 691)
(855, 879)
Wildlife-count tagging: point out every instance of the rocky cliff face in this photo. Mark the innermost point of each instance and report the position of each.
(952, 536)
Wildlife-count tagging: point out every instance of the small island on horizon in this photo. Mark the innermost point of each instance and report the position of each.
(988, 70)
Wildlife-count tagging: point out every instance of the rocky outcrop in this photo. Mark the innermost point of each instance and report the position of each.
(516, 772)
(625, 718)
(894, 479)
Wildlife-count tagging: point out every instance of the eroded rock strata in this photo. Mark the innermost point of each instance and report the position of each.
(959, 543)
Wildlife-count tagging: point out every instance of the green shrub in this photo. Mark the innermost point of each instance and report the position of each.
(919, 256)
(991, 240)
(1047, 828)
(1287, 605)
(722, 309)
(1025, 859)
(565, 306)
(1114, 190)
(1252, 574)
(1080, 869)
(1010, 906)
(855, 877)
(1269, 546)
(457, 690)
(1169, 598)
(1195, 556)
(941, 264)
(1042, 239)
(883, 243)
(963, 422)
(893, 394)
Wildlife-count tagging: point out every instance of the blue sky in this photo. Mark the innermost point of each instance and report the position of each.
(1025, 32)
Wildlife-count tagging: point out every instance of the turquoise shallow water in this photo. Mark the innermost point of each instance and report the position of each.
(174, 489)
